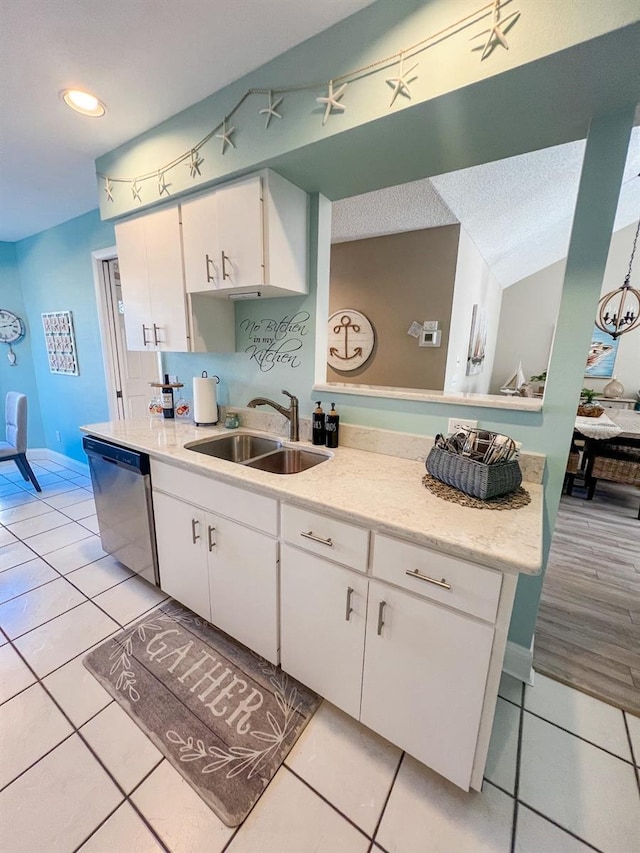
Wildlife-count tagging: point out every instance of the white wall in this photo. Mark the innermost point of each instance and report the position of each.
(537, 297)
(474, 284)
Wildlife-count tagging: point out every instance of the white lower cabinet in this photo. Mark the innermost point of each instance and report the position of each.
(322, 624)
(223, 571)
(425, 671)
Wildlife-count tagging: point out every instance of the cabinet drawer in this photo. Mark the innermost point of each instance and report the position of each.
(325, 536)
(471, 588)
(239, 504)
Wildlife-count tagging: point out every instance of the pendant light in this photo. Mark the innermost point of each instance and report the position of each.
(619, 310)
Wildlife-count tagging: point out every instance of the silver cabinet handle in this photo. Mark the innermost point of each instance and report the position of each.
(155, 335)
(414, 573)
(194, 536)
(381, 608)
(349, 609)
(209, 265)
(144, 335)
(311, 535)
(225, 275)
(210, 538)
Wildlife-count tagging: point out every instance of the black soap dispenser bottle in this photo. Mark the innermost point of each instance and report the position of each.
(331, 425)
(317, 430)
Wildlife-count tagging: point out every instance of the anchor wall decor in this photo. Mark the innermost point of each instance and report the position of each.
(351, 340)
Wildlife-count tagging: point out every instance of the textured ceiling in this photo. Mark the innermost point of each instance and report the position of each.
(146, 59)
(517, 211)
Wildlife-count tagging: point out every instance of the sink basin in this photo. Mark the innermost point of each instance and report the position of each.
(235, 448)
(288, 461)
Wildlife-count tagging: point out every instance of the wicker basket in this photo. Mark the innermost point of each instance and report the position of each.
(471, 477)
(586, 411)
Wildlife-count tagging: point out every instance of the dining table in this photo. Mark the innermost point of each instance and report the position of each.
(619, 425)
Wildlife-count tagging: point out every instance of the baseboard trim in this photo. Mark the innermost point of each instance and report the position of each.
(53, 456)
(518, 662)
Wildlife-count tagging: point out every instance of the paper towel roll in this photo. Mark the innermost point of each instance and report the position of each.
(205, 405)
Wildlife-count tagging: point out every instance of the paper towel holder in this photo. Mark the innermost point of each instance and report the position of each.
(205, 375)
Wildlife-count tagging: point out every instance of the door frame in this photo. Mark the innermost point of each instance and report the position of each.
(108, 339)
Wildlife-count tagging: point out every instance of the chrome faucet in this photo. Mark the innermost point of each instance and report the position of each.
(291, 414)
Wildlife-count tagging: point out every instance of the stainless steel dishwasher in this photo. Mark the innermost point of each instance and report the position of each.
(122, 492)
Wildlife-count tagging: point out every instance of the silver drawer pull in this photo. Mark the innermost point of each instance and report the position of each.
(381, 608)
(349, 609)
(194, 536)
(209, 266)
(210, 537)
(414, 573)
(311, 535)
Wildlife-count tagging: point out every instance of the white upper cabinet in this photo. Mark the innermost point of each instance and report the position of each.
(158, 313)
(247, 236)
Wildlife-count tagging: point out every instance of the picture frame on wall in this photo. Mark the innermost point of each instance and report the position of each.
(602, 355)
(60, 342)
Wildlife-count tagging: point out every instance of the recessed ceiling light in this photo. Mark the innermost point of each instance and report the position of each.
(83, 102)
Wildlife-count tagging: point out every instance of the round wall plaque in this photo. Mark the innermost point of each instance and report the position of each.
(351, 340)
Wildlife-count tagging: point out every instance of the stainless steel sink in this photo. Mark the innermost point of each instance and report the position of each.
(288, 461)
(235, 448)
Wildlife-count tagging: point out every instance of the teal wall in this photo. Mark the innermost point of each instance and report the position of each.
(56, 274)
(21, 377)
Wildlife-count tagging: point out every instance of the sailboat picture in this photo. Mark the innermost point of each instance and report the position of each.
(477, 341)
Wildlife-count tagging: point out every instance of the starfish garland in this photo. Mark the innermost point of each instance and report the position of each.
(135, 189)
(195, 163)
(108, 188)
(163, 186)
(497, 31)
(331, 101)
(270, 111)
(225, 136)
(400, 84)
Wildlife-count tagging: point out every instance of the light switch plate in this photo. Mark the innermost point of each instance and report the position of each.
(456, 424)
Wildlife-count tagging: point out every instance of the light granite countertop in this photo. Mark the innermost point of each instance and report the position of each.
(382, 492)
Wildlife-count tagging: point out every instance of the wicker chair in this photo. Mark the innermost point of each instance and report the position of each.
(617, 463)
(573, 466)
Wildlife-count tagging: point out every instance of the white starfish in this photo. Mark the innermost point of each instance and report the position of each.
(163, 186)
(496, 31)
(195, 163)
(108, 188)
(400, 84)
(225, 136)
(270, 111)
(331, 100)
(135, 189)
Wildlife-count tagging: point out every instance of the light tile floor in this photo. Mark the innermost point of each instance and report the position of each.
(77, 774)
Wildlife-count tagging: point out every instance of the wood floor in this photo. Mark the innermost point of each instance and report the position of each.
(588, 628)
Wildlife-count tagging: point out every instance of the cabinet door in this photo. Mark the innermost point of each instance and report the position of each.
(322, 622)
(136, 297)
(200, 244)
(243, 579)
(166, 280)
(240, 234)
(425, 671)
(182, 555)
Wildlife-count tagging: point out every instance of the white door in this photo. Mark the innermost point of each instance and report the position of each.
(243, 583)
(200, 244)
(425, 672)
(240, 234)
(182, 554)
(322, 622)
(133, 370)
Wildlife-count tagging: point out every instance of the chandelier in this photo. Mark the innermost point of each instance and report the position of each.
(619, 310)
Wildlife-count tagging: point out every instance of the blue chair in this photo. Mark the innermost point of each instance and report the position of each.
(15, 446)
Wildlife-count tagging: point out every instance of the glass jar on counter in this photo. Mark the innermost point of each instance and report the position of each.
(182, 407)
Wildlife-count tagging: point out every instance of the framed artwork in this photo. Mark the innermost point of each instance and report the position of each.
(351, 340)
(602, 355)
(60, 340)
(477, 341)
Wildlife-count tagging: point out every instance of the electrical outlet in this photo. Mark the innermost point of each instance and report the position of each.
(456, 424)
(58, 437)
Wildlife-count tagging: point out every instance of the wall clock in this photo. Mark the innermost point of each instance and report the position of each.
(351, 340)
(11, 327)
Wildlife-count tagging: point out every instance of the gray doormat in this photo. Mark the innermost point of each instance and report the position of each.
(224, 717)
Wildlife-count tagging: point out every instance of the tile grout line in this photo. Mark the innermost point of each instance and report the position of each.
(633, 755)
(516, 783)
(388, 797)
(559, 825)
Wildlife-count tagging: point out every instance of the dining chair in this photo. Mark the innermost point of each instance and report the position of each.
(573, 467)
(15, 444)
(614, 463)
